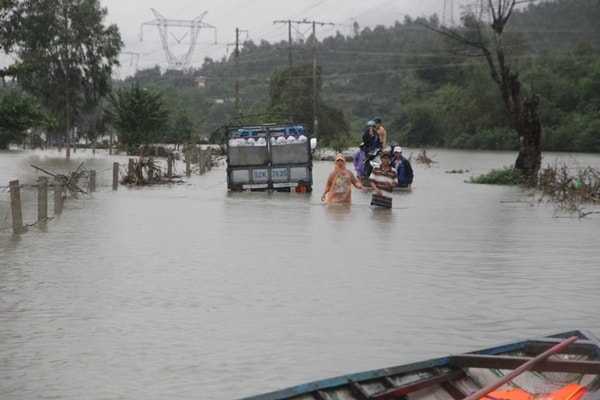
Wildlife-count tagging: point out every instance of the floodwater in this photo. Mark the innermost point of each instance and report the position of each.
(188, 291)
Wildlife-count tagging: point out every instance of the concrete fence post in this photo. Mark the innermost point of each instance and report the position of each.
(15, 205)
(188, 161)
(115, 183)
(92, 182)
(58, 194)
(42, 198)
(202, 161)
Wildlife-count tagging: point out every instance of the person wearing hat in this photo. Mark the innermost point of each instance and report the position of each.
(383, 180)
(359, 160)
(371, 138)
(403, 169)
(381, 132)
(338, 188)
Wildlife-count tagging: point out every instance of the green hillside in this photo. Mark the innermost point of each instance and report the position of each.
(428, 90)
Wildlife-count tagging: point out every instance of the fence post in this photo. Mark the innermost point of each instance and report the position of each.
(92, 183)
(115, 175)
(42, 198)
(58, 192)
(170, 165)
(15, 205)
(202, 162)
(188, 161)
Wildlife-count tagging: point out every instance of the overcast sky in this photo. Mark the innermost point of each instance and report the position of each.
(255, 20)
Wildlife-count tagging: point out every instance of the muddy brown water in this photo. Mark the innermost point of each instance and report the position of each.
(187, 291)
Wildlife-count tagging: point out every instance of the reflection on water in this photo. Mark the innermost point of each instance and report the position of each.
(168, 292)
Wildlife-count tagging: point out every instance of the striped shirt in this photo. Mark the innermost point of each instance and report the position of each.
(384, 180)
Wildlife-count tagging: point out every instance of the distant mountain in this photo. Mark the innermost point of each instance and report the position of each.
(552, 24)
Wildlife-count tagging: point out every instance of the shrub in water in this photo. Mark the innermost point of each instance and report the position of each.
(504, 176)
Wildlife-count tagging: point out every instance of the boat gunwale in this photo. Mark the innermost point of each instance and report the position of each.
(587, 344)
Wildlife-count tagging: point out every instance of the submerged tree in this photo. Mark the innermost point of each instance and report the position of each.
(522, 110)
(67, 53)
(139, 115)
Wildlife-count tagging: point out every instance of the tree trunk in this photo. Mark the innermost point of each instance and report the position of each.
(529, 129)
(526, 121)
(67, 122)
(525, 116)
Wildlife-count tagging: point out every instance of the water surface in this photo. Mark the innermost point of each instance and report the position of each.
(188, 291)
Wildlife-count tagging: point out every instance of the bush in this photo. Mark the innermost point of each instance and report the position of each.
(504, 176)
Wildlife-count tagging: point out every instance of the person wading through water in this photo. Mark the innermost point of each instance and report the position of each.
(383, 179)
(338, 188)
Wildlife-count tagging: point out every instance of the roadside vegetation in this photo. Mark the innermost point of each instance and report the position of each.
(567, 189)
(502, 176)
(570, 191)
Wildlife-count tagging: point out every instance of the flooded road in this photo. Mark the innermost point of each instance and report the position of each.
(188, 291)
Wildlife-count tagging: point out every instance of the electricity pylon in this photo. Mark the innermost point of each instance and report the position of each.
(163, 24)
(448, 15)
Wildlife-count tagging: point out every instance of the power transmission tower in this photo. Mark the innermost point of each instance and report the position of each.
(134, 59)
(448, 15)
(163, 24)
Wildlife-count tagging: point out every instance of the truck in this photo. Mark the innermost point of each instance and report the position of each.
(270, 156)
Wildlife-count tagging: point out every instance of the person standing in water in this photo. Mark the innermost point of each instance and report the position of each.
(359, 160)
(383, 179)
(403, 169)
(338, 188)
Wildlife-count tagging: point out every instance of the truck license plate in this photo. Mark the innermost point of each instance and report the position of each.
(259, 175)
(279, 174)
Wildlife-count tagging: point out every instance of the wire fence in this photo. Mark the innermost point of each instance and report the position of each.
(26, 204)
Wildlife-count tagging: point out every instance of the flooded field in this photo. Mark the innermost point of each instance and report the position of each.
(188, 291)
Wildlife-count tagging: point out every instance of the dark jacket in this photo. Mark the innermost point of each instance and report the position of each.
(371, 142)
(404, 170)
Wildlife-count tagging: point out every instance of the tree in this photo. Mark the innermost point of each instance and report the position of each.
(523, 111)
(7, 23)
(333, 128)
(182, 130)
(67, 52)
(18, 114)
(139, 115)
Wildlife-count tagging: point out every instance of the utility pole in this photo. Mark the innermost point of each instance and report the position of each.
(237, 69)
(315, 118)
(290, 63)
(314, 33)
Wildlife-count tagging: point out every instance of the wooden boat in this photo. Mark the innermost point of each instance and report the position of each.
(563, 366)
